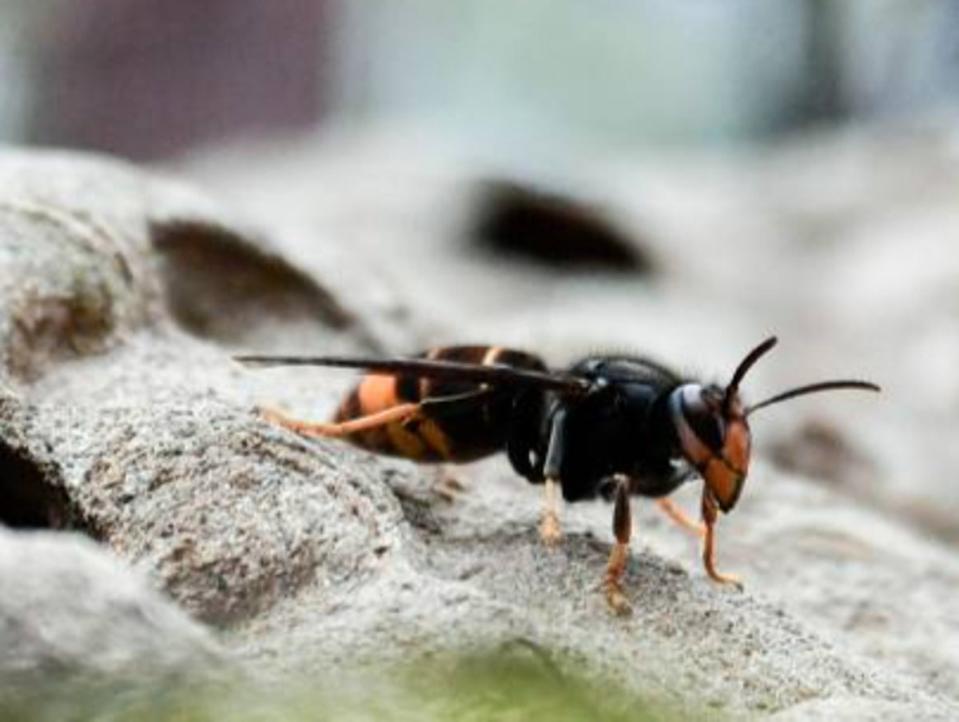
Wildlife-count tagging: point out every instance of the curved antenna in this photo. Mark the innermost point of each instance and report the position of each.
(813, 389)
(751, 358)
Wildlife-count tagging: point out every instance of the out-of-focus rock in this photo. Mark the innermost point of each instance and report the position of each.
(66, 287)
(68, 611)
(222, 286)
(92, 249)
(820, 450)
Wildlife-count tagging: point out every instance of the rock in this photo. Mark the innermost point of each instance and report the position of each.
(31, 492)
(93, 250)
(67, 288)
(159, 461)
(68, 610)
(820, 451)
(857, 709)
(222, 286)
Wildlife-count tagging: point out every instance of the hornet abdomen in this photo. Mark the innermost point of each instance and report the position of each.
(461, 421)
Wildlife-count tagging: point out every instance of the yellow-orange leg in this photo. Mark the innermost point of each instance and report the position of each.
(680, 517)
(619, 556)
(710, 514)
(550, 530)
(342, 428)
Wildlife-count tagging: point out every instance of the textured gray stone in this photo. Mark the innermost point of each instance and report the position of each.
(227, 513)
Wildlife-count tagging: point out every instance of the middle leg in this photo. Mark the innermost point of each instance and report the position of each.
(550, 530)
(710, 516)
(619, 556)
(448, 483)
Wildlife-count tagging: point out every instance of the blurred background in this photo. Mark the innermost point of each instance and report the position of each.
(146, 78)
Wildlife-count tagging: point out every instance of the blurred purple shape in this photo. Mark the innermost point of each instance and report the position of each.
(147, 78)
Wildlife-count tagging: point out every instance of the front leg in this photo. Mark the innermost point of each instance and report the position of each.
(619, 556)
(710, 515)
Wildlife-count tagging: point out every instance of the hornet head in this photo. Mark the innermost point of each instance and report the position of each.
(713, 431)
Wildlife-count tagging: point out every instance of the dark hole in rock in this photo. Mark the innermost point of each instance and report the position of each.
(553, 229)
(219, 285)
(27, 499)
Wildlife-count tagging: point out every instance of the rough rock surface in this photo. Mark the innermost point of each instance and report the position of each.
(122, 416)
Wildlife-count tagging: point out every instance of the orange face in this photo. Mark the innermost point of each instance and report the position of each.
(725, 472)
(715, 439)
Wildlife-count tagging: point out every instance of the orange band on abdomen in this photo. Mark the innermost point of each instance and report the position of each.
(376, 393)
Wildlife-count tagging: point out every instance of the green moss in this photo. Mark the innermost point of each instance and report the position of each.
(501, 687)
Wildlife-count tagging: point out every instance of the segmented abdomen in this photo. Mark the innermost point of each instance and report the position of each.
(467, 432)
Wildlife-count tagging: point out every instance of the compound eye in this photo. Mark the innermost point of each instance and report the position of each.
(705, 420)
(710, 429)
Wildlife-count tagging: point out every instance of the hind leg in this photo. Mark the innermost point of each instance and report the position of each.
(400, 412)
(449, 484)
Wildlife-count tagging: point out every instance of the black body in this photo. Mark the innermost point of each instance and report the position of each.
(619, 425)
